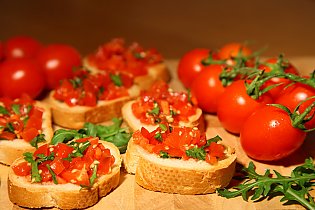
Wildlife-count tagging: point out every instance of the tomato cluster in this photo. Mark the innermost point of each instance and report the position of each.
(27, 66)
(236, 86)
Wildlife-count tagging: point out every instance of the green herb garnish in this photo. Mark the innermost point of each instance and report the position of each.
(116, 80)
(53, 175)
(158, 136)
(164, 154)
(39, 138)
(293, 188)
(3, 110)
(16, 108)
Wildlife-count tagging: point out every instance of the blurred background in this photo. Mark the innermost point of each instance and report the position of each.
(173, 27)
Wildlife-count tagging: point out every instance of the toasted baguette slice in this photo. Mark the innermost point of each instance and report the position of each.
(135, 124)
(155, 72)
(75, 117)
(183, 176)
(65, 196)
(11, 150)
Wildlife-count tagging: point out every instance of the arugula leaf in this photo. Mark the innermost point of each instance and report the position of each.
(35, 176)
(116, 79)
(94, 175)
(53, 175)
(163, 127)
(111, 133)
(10, 127)
(155, 110)
(164, 154)
(63, 136)
(76, 82)
(158, 136)
(39, 138)
(293, 188)
(79, 148)
(16, 108)
(3, 110)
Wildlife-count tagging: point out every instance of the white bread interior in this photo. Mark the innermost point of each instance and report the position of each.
(12, 149)
(75, 117)
(64, 196)
(183, 176)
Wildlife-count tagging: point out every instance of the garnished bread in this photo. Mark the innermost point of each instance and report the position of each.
(75, 117)
(179, 160)
(12, 149)
(183, 176)
(145, 65)
(65, 196)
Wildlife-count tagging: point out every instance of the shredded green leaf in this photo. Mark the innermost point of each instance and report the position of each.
(53, 175)
(16, 108)
(116, 80)
(3, 110)
(293, 188)
(38, 139)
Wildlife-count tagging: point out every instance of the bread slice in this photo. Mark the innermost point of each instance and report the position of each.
(12, 149)
(155, 72)
(75, 117)
(183, 176)
(135, 124)
(64, 196)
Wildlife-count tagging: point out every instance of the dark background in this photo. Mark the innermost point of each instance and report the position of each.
(173, 27)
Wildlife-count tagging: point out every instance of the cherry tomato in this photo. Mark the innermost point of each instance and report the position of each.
(58, 62)
(293, 95)
(22, 169)
(190, 65)
(232, 50)
(272, 65)
(207, 88)
(20, 76)
(1, 52)
(269, 135)
(21, 47)
(235, 106)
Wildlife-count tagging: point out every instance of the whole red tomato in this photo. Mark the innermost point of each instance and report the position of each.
(232, 50)
(268, 135)
(1, 51)
(207, 88)
(20, 76)
(293, 95)
(271, 65)
(235, 106)
(190, 65)
(21, 47)
(58, 62)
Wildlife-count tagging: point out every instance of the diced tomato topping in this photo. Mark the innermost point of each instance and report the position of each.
(161, 104)
(63, 150)
(44, 150)
(7, 135)
(22, 169)
(29, 133)
(44, 171)
(57, 165)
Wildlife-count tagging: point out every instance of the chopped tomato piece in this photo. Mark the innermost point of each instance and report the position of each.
(44, 172)
(44, 149)
(63, 150)
(7, 135)
(29, 133)
(57, 165)
(22, 169)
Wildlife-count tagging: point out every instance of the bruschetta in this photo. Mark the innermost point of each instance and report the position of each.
(144, 65)
(180, 160)
(24, 124)
(160, 104)
(69, 175)
(91, 98)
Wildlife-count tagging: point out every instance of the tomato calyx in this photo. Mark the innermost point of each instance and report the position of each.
(299, 119)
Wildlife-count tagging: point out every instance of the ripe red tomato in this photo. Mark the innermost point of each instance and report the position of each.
(231, 50)
(272, 65)
(235, 106)
(22, 169)
(207, 88)
(190, 65)
(1, 51)
(293, 95)
(57, 62)
(20, 76)
(268, 135)
(21, 47)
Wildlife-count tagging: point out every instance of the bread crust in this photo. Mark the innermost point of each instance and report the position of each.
(155, 72)
(165, 175)
(75, 117)
(11, 150)
(64, 196)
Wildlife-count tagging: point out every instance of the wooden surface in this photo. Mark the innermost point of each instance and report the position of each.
(130, 196)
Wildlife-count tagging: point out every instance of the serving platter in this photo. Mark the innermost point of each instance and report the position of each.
(130, 196)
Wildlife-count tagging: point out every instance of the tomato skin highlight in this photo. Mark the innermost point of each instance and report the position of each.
(58, 62)
(22, 169)
(231, 50)
(21, 76)
(268, 135)
(21, 47)
(190, 65)
(235, 106)
(207, 88)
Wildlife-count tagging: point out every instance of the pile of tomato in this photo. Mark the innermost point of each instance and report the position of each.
(266, 132)
(28, 66)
